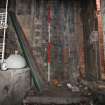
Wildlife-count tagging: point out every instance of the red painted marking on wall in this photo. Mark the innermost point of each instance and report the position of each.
(49, 52)
(49, 15)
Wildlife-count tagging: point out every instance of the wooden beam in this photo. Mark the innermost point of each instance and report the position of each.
(101, 45)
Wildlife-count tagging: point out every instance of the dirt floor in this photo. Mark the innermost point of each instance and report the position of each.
(60, 94)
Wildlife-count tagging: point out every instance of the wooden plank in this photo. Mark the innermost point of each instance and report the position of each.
(101, 46)
(55, 100)
(79, 30)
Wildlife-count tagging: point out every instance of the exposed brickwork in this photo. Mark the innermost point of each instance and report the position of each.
(73, 41)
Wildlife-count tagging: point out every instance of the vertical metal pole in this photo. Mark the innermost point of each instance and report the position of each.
(48, 72)
(3, 48)
(4, 34)
(6, 12)
(49, 43)
(49, 40)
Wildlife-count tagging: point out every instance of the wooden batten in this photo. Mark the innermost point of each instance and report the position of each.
(101, 46)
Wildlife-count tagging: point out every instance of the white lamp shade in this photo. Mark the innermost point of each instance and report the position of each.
(15, 61)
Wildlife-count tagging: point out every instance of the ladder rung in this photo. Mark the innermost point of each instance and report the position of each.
(0, 50)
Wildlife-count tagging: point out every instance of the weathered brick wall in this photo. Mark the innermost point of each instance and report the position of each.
(66, 32)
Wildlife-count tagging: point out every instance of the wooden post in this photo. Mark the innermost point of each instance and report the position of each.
(101, 46)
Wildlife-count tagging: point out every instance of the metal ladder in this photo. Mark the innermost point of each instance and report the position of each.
(1, 43)
(3, 27)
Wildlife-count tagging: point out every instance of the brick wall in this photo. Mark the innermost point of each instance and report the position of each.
(66, 35)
